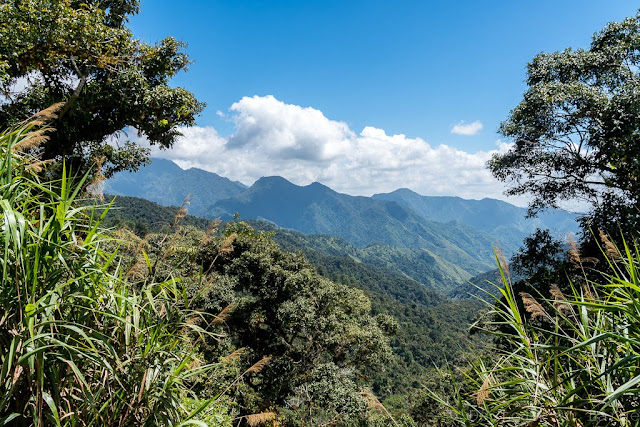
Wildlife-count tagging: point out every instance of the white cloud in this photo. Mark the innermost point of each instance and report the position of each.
(303, 146)
(467, 129)
(287, 131)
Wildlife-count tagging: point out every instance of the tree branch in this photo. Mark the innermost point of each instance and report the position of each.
(76, 92)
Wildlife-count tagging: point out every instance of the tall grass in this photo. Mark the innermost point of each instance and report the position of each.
(78, 344)
(569, 360)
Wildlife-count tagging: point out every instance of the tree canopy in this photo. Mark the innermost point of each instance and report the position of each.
(576, 132)
(320, 335)
(83, 54)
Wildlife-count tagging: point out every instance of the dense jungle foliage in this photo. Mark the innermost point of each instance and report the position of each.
(441, 324)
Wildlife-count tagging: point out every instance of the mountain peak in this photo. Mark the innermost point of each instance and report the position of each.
(162, 181)
(405, 191)
(317, 186)
(164, 165)
(271, 181)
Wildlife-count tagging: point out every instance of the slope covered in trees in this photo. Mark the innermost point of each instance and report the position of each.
(431, 329)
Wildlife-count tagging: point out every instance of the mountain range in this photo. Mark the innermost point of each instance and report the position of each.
(445, 237)
(493, 216)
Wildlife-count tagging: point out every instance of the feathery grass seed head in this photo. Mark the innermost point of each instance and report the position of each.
(610, 249)
(532, 306)
(259, 365)
(224, 314)
(483, 394)
(574, 253)
(260, 419)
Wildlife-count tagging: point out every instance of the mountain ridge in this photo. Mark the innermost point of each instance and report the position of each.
(362, 221)
(164, 182)
(447, 231)
(487, 214)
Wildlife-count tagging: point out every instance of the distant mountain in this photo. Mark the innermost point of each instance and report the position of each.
(435, 240)
(362, 221)
(501, 219)
(164, 182)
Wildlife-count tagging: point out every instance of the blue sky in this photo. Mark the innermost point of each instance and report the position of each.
(414, 68)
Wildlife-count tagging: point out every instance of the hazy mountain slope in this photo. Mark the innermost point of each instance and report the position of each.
(503, 220)
(164, 182)
(316, 209)
(412, 264)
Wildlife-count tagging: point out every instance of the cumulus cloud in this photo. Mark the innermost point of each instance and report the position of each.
(287, 131)
(302, 145)
(467, 129)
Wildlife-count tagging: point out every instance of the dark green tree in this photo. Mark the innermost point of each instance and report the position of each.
(576, 132)
(81, 54)
(576, 136)
(320, 335)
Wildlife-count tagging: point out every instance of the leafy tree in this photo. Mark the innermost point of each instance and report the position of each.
(83, 55)
(320, 335)
(312, 344)
(540, 255)
(576, 133)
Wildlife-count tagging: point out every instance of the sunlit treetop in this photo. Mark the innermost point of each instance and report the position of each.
(576, 132)
(83, 54)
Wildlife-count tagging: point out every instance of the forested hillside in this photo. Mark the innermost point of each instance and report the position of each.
(420, 311)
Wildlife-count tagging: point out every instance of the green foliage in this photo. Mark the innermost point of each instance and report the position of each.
(309, 341)
(78, 344)
(566, 347)
(319, 334)
(572, 361)
(82, 54)
(575, 131)
(429, 330)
